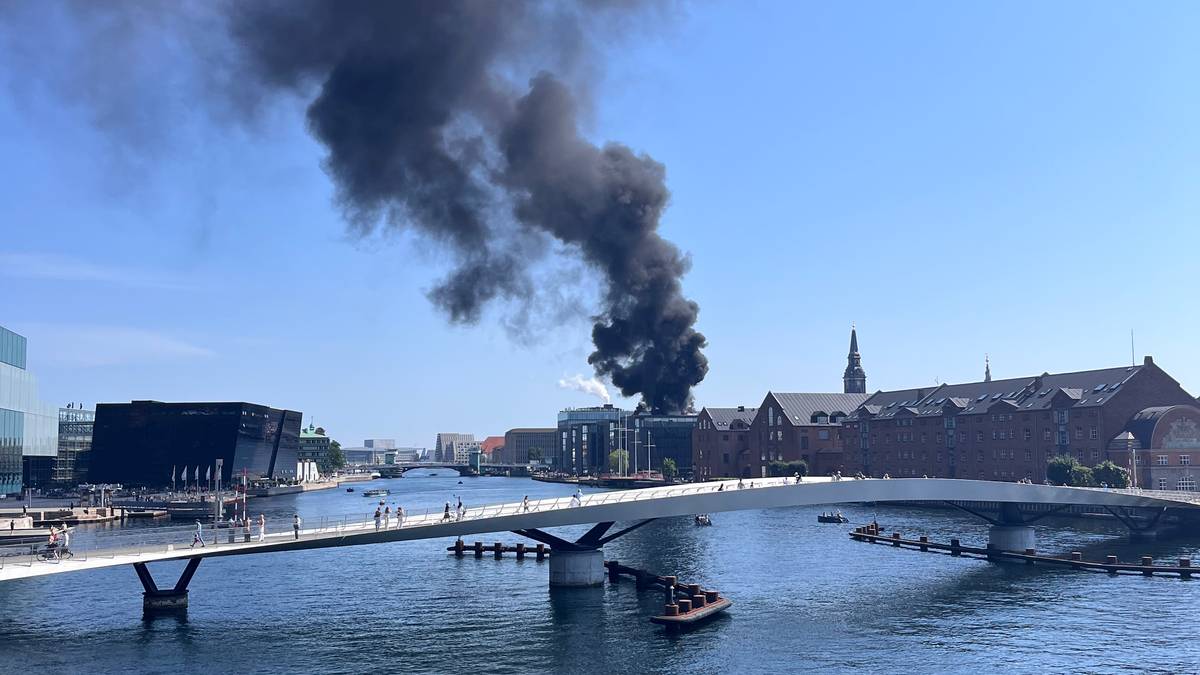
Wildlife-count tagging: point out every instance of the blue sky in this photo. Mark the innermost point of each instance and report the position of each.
(1016, 179)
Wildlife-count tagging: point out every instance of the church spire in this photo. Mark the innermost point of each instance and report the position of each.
(987, 369)
(854, 380)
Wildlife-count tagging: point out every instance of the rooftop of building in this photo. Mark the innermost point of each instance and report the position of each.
(801, 408)
(1084, 388)
(723, 417)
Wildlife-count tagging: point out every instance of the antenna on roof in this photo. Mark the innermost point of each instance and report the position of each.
(1132, 357)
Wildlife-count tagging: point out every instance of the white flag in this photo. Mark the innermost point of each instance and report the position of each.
(196, 473)
(207, 472)
(172, 473)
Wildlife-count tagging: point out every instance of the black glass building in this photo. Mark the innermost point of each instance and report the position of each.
(146, 443)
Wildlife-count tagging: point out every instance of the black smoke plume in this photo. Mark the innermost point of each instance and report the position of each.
(460, 120)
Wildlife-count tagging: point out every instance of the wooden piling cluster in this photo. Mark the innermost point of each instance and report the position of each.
(1146, 567)
(684, 603)
(498, 549)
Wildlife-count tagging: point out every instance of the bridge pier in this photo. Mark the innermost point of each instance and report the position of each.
(156, 600)
(579, 563)
(1013, 538)
(577, 569)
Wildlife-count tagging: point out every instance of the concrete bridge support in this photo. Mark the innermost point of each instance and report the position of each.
(577, 568)
(579, 563)
(156, 600)
(1014, 538)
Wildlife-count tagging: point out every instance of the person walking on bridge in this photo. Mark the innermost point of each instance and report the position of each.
(198, 537)
(262, 527)
(399, 517)
(446, 513)
(296, 524)
(378, 516)
(525, 504)
(387, 517)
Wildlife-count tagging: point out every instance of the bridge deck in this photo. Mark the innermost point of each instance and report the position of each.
(656, 502)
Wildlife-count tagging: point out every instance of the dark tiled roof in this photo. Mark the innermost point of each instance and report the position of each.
(1088, 388)
(723, 417)
(1142, 424)
(800, 408)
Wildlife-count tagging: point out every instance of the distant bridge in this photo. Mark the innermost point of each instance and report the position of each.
(580, 562)
(400, 468)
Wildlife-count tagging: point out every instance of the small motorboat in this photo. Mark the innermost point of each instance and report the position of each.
(349, 489)
(832, 518)
(377, 492)
(703, 520)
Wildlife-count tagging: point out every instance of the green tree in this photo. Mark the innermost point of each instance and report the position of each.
(1058, 470)
(618, 461)
(1108, 473)
(333, 460)
(669, 470)
(1081, 476)
(788, 468)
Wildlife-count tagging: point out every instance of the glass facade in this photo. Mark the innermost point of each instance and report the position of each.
(146, 443)
(585, 437)
(28, 427)
(12, 348)
(74, 444)
(663, 436)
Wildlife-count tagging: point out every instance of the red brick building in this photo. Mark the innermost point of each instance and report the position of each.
(1003, 429)
(1164, 442)
(804, 427)
(721, 441)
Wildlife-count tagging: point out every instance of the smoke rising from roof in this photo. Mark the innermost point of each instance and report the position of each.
(587, 385)
(460, 120)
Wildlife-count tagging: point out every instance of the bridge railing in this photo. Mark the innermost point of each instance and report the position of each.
(317, 527)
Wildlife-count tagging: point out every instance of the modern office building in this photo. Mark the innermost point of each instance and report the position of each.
(28, 426)
(442, 447)
(380, 443)
(74, 446)
(524, 445)
(586, 436)
(660, 437)
(146, 443)
(460, 452)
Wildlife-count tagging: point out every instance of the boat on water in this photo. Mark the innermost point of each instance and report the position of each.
(349, 489)
(377, 492)
(832, 518)
(703, 520)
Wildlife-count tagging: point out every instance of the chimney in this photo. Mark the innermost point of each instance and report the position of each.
(1148, 361)
(741, 408)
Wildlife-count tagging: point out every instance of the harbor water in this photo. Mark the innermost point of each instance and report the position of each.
(805, 597)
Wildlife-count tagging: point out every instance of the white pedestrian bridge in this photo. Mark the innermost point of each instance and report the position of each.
(581, 562)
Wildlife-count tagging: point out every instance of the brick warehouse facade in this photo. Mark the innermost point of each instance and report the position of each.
(1002, 429)
(721, 441)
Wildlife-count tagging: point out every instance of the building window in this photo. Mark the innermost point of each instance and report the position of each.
(1162, 483)
(1187, 484)
(979, 436)
(725, 457)
(1061, 416)
(1078, 433)
(1162, 460)
(1045, 434)
(1094, 434)
(823, 434)
(804, 442)
(1028, 455)
(1028, 433)
(1185, 460)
